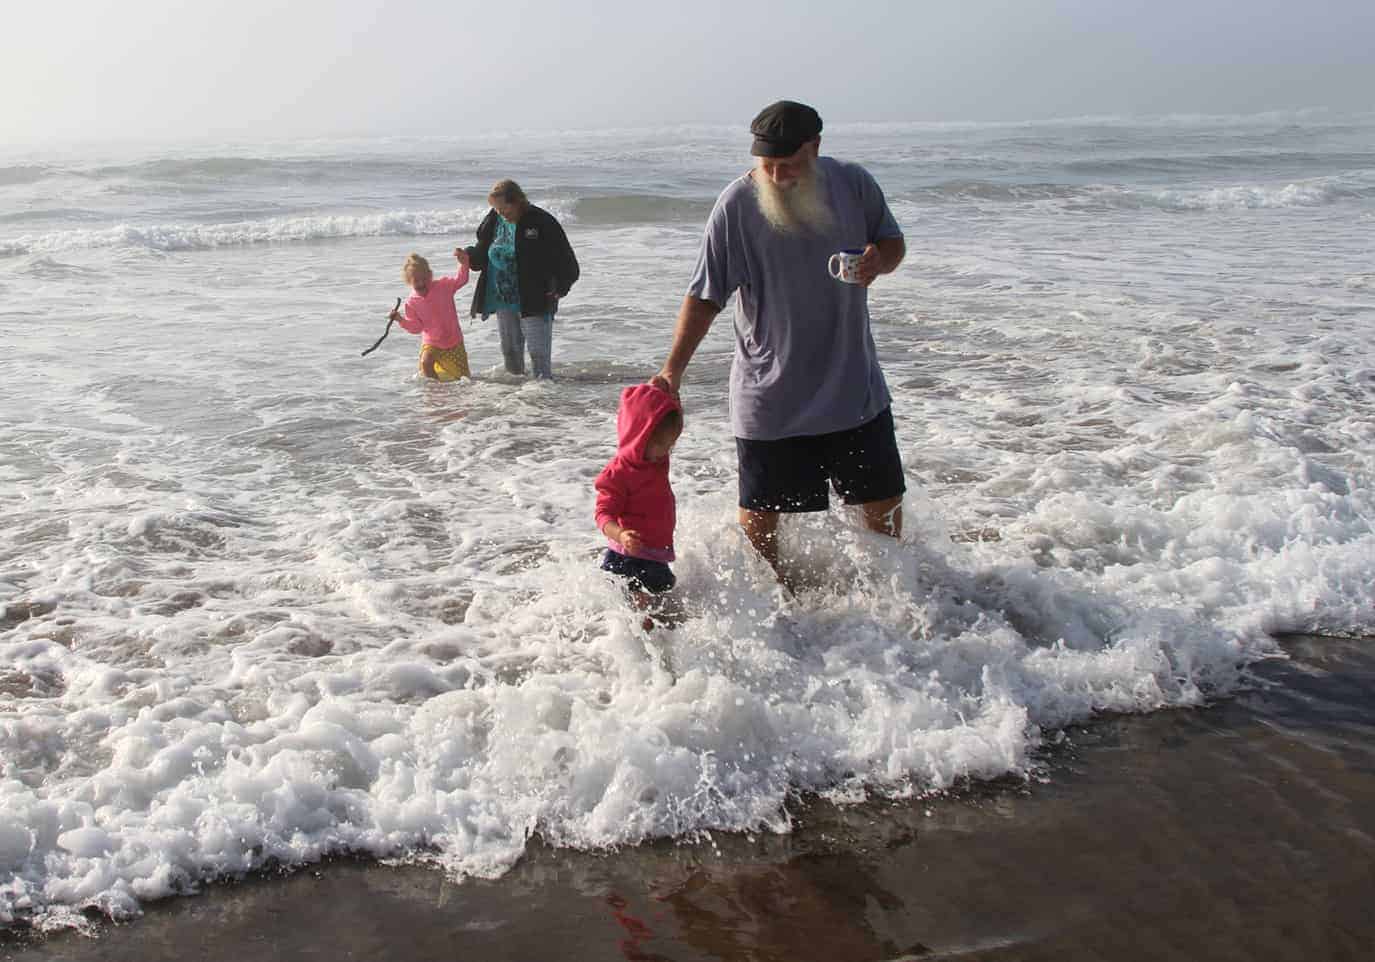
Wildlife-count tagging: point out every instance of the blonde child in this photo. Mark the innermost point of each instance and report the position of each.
(430, 312)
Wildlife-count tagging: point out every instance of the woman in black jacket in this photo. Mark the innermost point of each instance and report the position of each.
(525, 265)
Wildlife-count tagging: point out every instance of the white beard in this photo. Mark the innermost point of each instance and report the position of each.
(800, 207)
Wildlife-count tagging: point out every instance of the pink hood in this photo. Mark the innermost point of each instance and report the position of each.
(631, 491)
(642, 408)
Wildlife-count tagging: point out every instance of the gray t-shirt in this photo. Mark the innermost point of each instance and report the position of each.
(805, 361)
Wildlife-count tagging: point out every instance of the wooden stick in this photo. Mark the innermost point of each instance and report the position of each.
(384, 333)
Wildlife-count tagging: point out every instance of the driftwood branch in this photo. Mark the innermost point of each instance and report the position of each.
(379, 341)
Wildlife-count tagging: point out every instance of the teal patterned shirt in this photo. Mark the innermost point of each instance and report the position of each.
(503, 293)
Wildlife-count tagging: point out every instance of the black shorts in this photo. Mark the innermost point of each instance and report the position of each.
(654, 577)
(791, 474)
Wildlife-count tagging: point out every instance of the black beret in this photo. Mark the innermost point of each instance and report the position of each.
(781, 128)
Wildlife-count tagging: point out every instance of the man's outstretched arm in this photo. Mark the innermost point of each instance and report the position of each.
(694, 320)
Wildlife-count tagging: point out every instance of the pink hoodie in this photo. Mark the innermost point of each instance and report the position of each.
(631, 491)
(433, 312)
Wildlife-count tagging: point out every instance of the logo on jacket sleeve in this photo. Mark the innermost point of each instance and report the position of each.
(532, 233)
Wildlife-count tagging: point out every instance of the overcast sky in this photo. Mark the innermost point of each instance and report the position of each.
(198, 69)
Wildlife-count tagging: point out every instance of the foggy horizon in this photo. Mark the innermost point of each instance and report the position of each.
(148, 72)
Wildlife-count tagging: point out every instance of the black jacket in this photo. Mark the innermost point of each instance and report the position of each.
(545, 265)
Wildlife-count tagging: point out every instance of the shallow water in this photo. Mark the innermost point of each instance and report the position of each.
(287, 601)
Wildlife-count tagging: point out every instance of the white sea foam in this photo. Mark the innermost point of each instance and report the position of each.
(1093, 197)
(288, 601)
(193, 237)
(601, 210)
(1308, 194)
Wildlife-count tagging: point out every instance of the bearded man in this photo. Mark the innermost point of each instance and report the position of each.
(809, 406)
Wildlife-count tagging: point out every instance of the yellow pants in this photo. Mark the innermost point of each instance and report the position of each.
(448, 363)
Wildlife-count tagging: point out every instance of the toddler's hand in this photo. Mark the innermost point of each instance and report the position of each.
(462, 256)
(666, 383)
(395, 314)
(631, 540)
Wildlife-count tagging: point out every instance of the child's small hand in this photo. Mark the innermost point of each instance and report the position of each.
(395, 314)
(630, 540)
(462, 256)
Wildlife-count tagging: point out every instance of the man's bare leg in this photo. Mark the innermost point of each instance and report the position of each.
(761, 527)
(884, 517)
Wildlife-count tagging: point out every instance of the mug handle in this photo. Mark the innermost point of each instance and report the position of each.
(833, 266)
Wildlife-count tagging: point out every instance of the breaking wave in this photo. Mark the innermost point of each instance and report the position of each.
(22, 174)
(192, 237)
(638, 209)
(607, 210)
(1305, 193)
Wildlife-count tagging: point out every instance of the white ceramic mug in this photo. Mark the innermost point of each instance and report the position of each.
(844, 266)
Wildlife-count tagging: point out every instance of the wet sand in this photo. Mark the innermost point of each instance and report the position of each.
(1242, 831)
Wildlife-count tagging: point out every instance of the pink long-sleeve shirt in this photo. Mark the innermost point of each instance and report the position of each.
(433, 315)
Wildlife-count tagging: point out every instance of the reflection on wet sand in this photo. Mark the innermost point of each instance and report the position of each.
(813, 906)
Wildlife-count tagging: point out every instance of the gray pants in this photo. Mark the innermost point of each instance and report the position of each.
(534, 331)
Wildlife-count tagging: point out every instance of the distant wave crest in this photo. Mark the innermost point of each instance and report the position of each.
(191, 237)
(1241, 197)
(637, 209)
(1310, 193)
(1128, 167)
(192, 170)
(630, 209)
(215, 171)
(603, 211)
(22, 174)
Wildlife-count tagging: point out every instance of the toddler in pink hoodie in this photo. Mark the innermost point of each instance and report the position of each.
(635, 506)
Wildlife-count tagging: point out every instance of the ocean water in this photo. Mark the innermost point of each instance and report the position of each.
(265, 600)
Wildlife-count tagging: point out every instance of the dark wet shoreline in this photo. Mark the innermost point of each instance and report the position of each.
(1242, 831)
